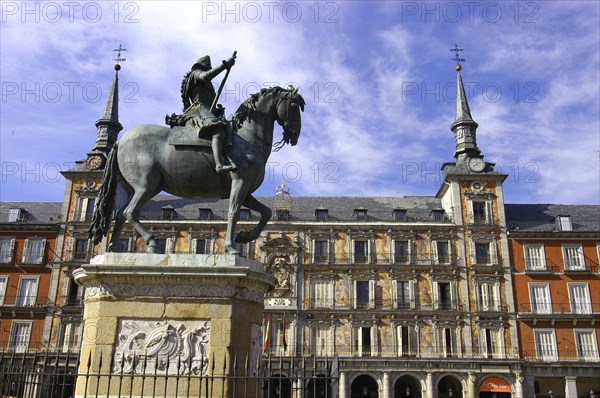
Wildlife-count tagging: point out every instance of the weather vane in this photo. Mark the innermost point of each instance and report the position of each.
(456, 57)
(119, 59)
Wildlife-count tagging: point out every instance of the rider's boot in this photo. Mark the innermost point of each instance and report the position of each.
(217, 148)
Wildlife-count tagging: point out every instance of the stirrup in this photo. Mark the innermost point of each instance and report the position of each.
(222, 168)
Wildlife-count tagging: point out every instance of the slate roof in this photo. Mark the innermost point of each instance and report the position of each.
(541, 217)
(37, 212)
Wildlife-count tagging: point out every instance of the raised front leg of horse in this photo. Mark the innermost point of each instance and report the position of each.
(265, 215)
(239, 190)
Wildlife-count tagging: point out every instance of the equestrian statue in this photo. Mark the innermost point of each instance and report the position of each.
(201, 155)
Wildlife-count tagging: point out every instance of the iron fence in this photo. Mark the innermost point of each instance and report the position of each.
(63, 375)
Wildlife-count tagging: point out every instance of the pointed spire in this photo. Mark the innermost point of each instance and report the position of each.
(108, 125)
(464, 127)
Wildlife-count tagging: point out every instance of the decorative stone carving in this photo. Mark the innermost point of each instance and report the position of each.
(162, 345)
(281, 271)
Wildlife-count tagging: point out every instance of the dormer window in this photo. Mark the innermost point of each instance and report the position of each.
(360, 214)
(399, 215)
(16, 214)
(321, 214)
(244, 215)
(205, 214)
(563, 223)
(168, 213)
(438, 215)
(283, 215)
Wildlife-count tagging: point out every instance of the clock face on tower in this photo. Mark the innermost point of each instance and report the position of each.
(94, 162)
(476, 164)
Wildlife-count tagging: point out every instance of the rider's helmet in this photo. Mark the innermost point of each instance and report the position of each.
(202, 63)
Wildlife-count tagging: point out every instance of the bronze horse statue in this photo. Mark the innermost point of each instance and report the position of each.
(144, 164)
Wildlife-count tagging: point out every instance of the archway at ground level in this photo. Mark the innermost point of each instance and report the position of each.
(407, 387)
(278, 387)
(320, 387)
(494, 387)
(449, 387)
(364, 387)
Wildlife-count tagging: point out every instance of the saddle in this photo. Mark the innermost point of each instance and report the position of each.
(187, 136)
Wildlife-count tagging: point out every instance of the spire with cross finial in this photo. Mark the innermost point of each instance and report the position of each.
(464, 127)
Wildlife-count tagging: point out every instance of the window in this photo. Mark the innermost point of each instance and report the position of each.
(539, 294)
(545, 344)
(488, 297)
(323, 341)
(363, 294)
(407, 341)
(360, 214)
(15, 215)
(123, 246)
(587, 347)
(321, 214)
(482, 253)
(75, 291)
(563, 223)
(364, 341)
(361, 251)
(7, 247)
(201, 246)
(242, 248)
(69, 336)
(169, 213)
(161, 246)
(33, 252)
(204, 214)
(401, 251)
(81, 249)
(438, 215)
(3, 284)
(245, 215)
(321, 252)
(404, 294)
(442, 294)
(535, 259)
(491, 342)
(399, 215)
(579, 296)
(480, 212)
(573, 257)
(448, 342)
(283, 215)
(322, 295)
(20, 332)
(441, 252)
(27, 292)
(85, 208)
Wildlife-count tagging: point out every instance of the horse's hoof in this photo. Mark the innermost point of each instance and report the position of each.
(242, 237)
(232, 250)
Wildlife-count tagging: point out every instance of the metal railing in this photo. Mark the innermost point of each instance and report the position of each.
(62, 375)
(24, 301)
(584, 308)
(411, 304)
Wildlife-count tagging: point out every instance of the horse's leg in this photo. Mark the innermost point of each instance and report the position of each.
(238, 194)
(265, 215)
(131, 213)
(119, 221)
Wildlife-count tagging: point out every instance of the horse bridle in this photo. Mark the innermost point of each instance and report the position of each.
(278, 145)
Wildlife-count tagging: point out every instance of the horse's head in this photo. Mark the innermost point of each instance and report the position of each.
(289, 107)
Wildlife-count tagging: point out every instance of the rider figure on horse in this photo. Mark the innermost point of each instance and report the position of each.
(198, 95)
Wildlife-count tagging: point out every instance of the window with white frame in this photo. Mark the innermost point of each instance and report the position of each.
(364, 293)
(539, 295)
(85, 209)
(361, 251)
(563, 223)
(242, 248)
(69, 335)
(579, 296)
(448, 341)
(408, 344)
(365, 341)
(20, 333)
(81, 249)
(401, 251)
(482, 253)
(480, 211)
(535, 257)
(443, 295)
(545, 344)
(492, 342)
(3, 284)
(573, 256)
(587, 345)
(33, 252)
(200, 246)
(7, 247)
(403, 294)
(27, 292)
(321, 252)
(441, 250)
(488, 296)
(323, 340)
(322, 294)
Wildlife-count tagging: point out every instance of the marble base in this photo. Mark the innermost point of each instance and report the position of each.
(179, 310)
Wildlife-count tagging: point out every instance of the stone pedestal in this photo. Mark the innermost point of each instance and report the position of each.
(165, 315)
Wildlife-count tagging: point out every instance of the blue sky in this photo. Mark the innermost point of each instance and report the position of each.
(377, 77)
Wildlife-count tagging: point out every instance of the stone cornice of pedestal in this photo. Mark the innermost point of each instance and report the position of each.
(189, 276)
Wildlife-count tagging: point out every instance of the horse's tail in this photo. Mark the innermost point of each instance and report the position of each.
(106, 199)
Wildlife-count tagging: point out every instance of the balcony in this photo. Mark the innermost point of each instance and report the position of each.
(561, 355)
(580, 265)
(491, 306)
(25, 303)
(541, 266)
(551, 310)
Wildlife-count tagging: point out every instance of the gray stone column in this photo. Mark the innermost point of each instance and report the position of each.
(429, 384)
(570, 387)
(470, 393)
(529, 386)
(343, 382)
(387, 393)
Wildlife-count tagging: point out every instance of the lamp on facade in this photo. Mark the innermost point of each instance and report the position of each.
(593, 394)
(550, 394)
(407, 391)
(450, 392)
(365, 391)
